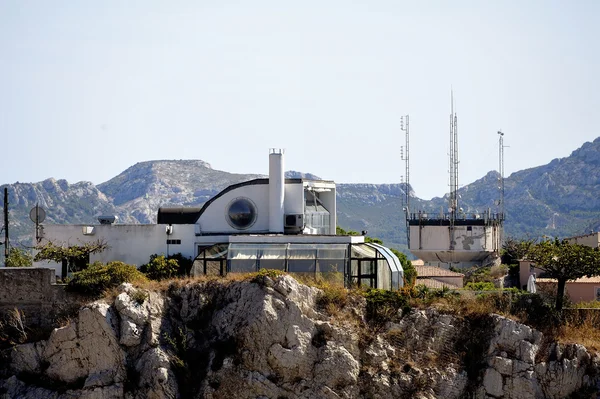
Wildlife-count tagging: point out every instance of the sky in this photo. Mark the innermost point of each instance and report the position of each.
(89, 88)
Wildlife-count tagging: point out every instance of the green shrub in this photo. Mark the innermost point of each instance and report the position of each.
(480, 286)
(161, 268)
(18, 258)
(384, 306)
(99, 277)
(333, 297)
(185, 264)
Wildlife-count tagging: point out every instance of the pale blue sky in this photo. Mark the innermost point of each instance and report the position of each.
(89, 88)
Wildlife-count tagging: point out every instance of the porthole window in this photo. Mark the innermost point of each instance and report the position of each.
(241, 213)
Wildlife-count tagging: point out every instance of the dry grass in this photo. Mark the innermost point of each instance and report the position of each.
(581, 327)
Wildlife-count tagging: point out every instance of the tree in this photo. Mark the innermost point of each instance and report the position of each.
(410, 273)
(76, 256)
(515, 250)
(564, 262)
(18, 258)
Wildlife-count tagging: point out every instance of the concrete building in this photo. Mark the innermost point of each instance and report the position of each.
(590, 240)
(464, 242)
(457, 238)
(276, 223)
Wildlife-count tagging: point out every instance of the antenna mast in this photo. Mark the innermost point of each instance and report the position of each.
(501, 171)
(453, 170)
(404, 155)
(6, 242)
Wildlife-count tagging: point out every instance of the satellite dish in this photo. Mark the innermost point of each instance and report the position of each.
(37, 214)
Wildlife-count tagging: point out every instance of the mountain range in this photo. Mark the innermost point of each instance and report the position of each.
(558, 199)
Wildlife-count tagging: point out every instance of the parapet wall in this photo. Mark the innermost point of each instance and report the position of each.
(32, 290)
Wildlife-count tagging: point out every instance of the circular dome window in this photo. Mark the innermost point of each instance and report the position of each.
(241, 213)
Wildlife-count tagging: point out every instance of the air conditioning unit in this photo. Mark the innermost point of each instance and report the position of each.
(294, 221)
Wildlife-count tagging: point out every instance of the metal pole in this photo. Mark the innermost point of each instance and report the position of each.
(405, 156)
(6, 242)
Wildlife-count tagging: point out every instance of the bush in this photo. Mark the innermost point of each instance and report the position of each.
(333, 297)
(18, 258)
(99, 277)
(480, 286)
(384, 306)
(161, 268)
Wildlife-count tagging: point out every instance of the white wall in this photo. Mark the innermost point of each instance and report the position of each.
(131, 244)
(294, 198)
(479, 238)
(214, 218)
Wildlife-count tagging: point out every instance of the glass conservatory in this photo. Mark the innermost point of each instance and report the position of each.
(364, 264)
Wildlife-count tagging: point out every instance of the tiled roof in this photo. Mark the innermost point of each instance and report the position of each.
(431, 283)
(589, 280)
(417, 262)
(432, 271)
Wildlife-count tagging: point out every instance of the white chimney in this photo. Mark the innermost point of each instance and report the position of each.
(276, 190)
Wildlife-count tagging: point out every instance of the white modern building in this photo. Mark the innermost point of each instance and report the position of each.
(275, 223)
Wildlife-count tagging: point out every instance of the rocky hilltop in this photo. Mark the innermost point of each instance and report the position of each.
(270, 338)
(557, 199)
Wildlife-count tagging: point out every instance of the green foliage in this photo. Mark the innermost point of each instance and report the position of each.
(18, 258)
(514, 250)
(56, 253)
(161, 268)
(99, 277)
(410, 273)
(271, 273)
(139, 296)
(185, 264)
(480, 286)
(333, 297)
(384, 306)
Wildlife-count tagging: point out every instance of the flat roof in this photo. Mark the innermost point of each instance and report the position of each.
(280, 239)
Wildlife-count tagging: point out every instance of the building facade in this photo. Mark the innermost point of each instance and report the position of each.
(275, 223)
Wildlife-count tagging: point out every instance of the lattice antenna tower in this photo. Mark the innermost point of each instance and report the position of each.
(501, 172)
(453, 201)
(453, 168)
(405, 156)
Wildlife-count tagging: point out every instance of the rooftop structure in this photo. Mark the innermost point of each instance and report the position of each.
(455, 238)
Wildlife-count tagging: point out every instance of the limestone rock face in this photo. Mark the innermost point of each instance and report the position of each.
(86, 349)
(514, 373)
(269, 339)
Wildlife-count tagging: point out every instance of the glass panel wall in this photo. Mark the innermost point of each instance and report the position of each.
(331, 262)
(350, 264)
(272, 256)
(211, 260)
(243, 258)
(302, 258)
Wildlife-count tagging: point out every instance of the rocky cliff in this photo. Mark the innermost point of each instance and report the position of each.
(268, 338)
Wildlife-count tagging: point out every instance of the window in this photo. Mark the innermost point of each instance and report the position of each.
(173, 242)
(241, 213)
(598, 293)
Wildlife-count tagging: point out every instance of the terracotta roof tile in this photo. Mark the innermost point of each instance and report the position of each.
(431, 283)
(432, 271)
(590, 280)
